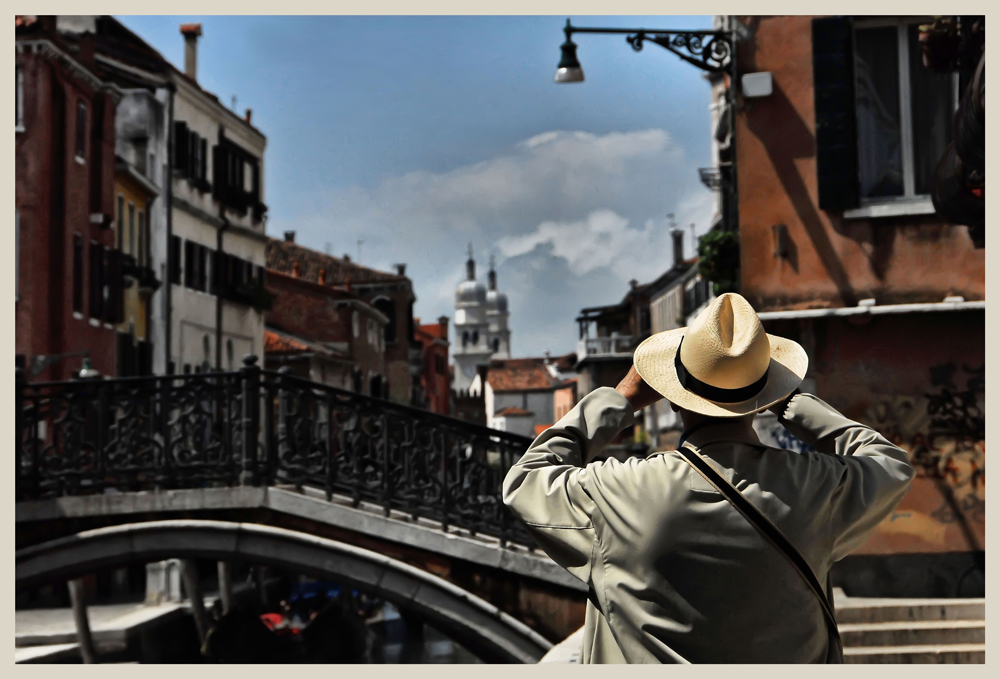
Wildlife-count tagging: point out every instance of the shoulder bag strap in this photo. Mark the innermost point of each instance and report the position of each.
(769, 531)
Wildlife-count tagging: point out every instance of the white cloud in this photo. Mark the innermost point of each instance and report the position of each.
(573, 217)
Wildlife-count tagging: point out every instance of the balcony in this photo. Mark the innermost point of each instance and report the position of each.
(605, 347)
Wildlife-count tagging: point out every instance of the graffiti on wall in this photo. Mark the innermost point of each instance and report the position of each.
(944, 430)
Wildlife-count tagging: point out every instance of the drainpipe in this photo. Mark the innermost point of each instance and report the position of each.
(218, 293)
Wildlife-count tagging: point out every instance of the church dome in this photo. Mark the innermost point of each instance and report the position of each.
(470, 292)
(497, 301)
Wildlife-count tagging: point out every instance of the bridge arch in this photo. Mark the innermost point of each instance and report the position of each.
(484, 629)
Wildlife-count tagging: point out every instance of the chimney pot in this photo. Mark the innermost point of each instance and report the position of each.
(401, 269)
(443, 321)
(191, 33)
(289, 236)
(347, 258)
(249, 114)
(678, 245)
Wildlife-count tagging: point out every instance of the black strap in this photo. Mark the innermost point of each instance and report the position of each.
(716, 394)
(770, 532)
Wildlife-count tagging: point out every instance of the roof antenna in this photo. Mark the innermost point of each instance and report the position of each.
(359, 250)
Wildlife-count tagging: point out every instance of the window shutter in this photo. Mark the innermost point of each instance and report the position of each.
(175, 259)
(219, 162)
(180, 146)
(836, 133)
(189, 264)
(203, 170)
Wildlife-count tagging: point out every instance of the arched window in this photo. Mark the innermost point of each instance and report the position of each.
(387, 307)
(465, 338)
(496, 344)
(475, 337)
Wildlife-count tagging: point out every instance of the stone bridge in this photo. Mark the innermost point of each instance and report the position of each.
(394, 501)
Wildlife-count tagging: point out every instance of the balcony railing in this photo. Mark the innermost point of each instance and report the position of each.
(593, 347)
(257, 427)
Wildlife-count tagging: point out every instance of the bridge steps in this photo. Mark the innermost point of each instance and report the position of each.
(939, 631)
(877, 631)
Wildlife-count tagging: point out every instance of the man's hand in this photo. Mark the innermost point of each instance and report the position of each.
(638, 393)
(782, 405)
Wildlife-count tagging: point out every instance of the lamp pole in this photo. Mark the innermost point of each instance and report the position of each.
(711, 51)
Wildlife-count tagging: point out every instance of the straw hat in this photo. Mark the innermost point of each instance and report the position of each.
(723, 364)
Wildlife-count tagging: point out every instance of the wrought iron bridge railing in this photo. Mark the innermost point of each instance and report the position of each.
(257, 427)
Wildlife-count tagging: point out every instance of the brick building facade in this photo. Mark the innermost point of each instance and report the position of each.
(842, 251)
(68, 272)
(390, 293)
(343, 335)
(435, 381)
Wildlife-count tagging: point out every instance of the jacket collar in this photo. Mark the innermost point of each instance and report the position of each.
(716, 430)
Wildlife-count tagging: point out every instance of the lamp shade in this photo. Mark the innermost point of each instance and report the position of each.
(569, 70)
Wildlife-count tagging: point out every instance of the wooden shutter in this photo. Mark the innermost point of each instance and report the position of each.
(96, 280)
(203, 170)
(181, 146)
(836, 129)
(175, 259)
(190, 267)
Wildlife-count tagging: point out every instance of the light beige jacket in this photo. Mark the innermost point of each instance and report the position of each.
(676, 574)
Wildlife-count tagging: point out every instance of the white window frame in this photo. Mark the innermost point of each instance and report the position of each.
(910, 203)
(19, 93)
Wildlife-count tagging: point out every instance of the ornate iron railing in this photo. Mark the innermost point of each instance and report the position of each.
(257, 427)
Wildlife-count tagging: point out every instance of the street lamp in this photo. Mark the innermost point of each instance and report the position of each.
(710, 51)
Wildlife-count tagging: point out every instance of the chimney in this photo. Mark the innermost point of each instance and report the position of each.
(191, 33)
(295, 269)
(548, 357)
(289, 236)
(248, 115)
(443, 322)
(321, 277)
(347, 258)
(678, 246)
(401, 269)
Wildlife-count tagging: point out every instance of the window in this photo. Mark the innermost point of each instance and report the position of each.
(140, 255)
(175, 259)
(903, 112)
(19, 99)
(151, 167)
(96, 280)
(387, 307)
(77, 273)
(131, 229)
(120, 219)
(229, 353)
(190, 266)
(81, 130)
(355, 324)
(883, 120)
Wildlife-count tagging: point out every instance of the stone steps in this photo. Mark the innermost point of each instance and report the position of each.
(913, 633)
(937, 631)
(952, 654)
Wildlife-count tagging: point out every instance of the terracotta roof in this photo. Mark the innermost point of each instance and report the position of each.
(279, 342)
(282, 256)
(435, 330)
(519, 374)
(539, 428)
(515, 412)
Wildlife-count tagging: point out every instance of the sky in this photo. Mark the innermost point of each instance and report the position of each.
(419, 135)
